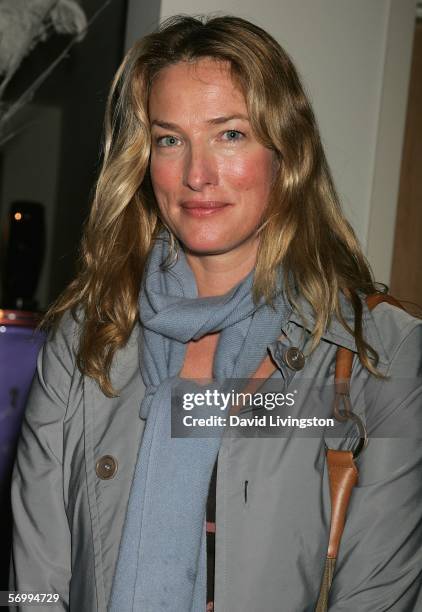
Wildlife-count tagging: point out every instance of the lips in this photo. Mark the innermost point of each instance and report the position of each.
(203, 204)
(200, 208)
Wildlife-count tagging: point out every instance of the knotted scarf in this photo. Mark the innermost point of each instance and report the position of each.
(162, 556)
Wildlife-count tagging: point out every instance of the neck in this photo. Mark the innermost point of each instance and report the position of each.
(216, 274)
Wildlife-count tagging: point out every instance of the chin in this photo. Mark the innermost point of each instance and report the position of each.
(206, 245)
(205, 249)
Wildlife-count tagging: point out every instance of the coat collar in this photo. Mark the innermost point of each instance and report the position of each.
(335, 332)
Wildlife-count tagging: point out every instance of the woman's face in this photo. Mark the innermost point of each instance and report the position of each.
(210, 175)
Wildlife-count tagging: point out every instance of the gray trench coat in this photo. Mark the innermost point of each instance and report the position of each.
(270, 543)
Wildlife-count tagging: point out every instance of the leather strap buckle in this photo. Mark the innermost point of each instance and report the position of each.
(347, 414)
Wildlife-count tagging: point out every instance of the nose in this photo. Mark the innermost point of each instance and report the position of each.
(200, 168)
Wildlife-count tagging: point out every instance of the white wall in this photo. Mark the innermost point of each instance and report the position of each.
(354, 57)
(391, 125)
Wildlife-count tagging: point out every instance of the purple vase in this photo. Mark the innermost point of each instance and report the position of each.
(19, 347)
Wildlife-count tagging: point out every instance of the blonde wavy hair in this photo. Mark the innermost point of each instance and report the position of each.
(304, 228)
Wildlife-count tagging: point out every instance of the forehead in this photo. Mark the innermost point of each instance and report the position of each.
(201, 89)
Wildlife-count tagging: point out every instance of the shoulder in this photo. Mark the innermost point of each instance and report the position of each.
(389, 330)
(399, 334)
(59, 356)
(56, 367)
(62, 342)
(63, 339)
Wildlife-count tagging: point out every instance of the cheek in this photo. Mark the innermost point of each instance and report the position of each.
(164, 177)
(251, 175)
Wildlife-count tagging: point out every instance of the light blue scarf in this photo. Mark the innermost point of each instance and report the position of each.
(162, 557)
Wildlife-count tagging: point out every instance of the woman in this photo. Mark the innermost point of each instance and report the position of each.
(215, 237)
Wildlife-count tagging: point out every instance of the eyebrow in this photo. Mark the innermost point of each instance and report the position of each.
(215, 121)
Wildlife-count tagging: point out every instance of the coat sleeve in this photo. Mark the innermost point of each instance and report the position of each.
(379, 565)
(41, 557)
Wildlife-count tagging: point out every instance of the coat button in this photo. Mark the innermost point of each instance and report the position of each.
(106, 467)
(294, 358)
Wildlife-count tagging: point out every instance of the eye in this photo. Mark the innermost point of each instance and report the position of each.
(233, 135)
(166, 141)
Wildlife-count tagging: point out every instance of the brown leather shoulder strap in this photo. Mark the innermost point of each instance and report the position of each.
(344, 356)
(343, 476)
(342, 470)
(376, 298)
